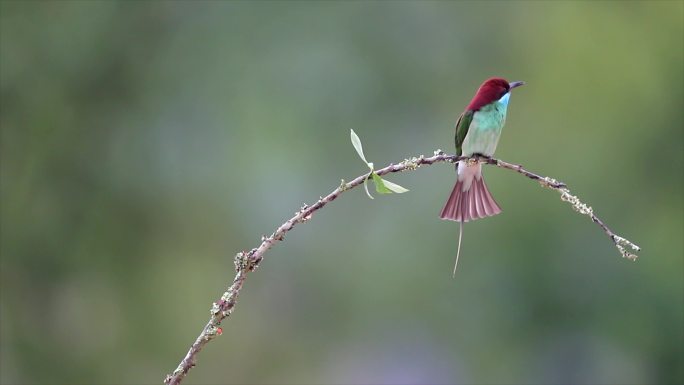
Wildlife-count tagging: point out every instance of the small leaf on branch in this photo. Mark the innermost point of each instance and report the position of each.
(394, 187)
(365, 187)
(356, 142)
(383, 186)
(380, 184)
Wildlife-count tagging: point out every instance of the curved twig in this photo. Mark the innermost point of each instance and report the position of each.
(248, 261)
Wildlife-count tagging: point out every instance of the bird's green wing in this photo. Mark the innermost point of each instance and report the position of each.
(462, 125)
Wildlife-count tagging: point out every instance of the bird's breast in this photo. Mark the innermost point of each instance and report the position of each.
(485, 129)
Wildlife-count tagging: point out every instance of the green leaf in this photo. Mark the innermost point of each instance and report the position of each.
(380, 184)
(394, 187)
(356, 142)
(365, 187)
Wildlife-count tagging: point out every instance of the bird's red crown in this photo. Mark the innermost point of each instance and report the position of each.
(490, 91)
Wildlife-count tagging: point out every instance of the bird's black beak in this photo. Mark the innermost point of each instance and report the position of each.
(512, 85)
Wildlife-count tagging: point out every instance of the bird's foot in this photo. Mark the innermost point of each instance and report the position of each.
(477, 157)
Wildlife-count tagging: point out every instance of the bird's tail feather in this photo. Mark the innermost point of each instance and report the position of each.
(474, 203)
(458, 251)
(469, 200)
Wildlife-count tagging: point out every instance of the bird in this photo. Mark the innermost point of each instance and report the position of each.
(478, 130)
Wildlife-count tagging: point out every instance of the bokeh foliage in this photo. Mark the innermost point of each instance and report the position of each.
(145, 143)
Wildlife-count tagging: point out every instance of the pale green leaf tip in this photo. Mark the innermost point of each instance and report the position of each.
(395, 187)
(365, 187)
(356, 142)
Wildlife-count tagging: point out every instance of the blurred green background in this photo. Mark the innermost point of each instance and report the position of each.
(145, 143)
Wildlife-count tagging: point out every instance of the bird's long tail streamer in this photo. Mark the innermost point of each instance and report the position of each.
(458, 251)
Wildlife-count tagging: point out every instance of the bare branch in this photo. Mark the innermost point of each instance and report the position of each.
(248, 261)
